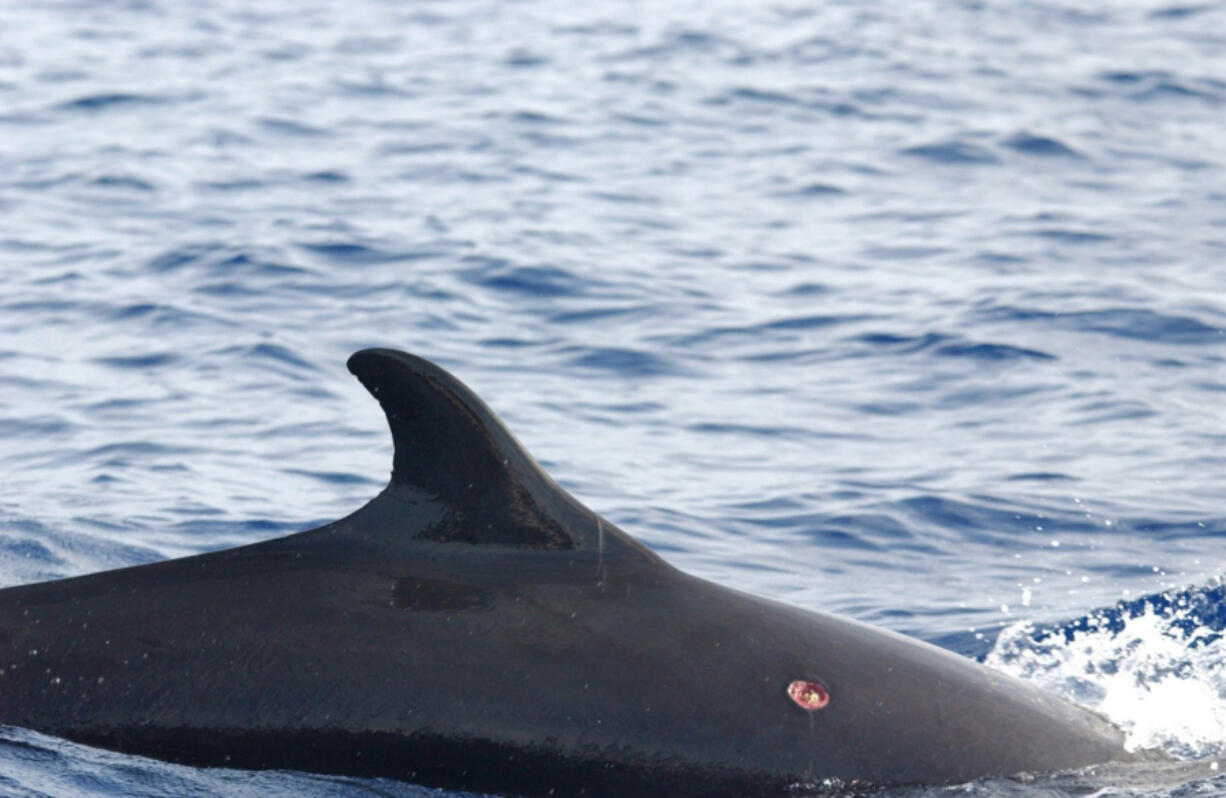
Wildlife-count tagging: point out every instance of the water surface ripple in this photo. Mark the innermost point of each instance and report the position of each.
(914, 313)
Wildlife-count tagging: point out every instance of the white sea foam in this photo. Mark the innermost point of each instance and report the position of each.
(1159, 673)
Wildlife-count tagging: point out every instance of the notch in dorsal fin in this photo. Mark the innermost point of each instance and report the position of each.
(452, 449)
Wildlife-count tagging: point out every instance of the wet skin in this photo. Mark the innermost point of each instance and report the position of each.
(475, 627)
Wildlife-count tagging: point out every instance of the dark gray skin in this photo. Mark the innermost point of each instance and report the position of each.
(475, 627)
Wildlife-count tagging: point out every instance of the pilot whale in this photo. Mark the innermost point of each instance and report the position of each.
(475, 627)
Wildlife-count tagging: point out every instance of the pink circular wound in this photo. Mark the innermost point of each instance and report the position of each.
(808, 695)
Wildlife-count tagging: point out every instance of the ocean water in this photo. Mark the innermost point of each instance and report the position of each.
(911, 312)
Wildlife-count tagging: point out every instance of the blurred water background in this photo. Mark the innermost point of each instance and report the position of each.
(912, 312)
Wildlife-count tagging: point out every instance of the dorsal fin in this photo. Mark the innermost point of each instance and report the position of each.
(453, 451)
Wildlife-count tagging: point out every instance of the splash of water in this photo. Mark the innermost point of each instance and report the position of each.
(1155, 666)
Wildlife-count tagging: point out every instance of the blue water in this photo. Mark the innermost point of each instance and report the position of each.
(913, 312)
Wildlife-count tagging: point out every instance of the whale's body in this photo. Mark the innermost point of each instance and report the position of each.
(475, 627)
